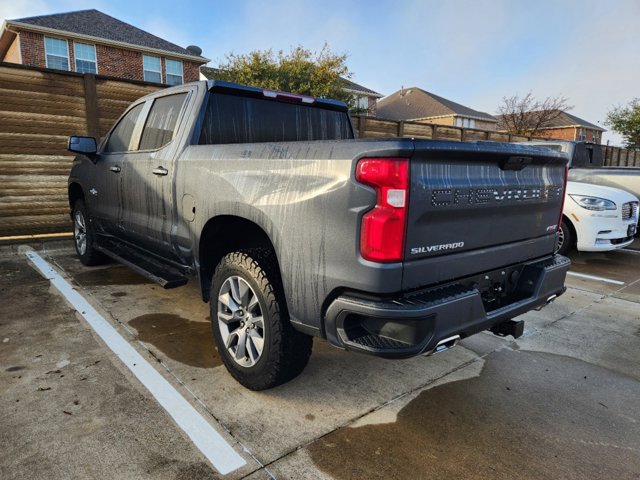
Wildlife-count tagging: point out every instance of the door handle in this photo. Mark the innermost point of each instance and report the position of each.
(115, 169)
(160, 171)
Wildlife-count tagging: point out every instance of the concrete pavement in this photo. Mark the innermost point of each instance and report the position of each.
(563, 401)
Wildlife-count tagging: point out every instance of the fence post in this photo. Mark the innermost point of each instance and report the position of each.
(362, 126)
(401, 128)
(91, 105)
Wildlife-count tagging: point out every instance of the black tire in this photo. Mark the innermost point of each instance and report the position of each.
(566, 238)
(84, 238)
(285, 351)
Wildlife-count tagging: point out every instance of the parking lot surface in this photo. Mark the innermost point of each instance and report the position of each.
(563, 401)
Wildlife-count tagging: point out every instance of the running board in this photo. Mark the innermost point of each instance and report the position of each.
(150, 268)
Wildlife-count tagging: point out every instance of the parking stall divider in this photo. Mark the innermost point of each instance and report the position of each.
(203, 435)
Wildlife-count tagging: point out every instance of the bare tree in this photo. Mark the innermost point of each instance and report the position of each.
(528, 115)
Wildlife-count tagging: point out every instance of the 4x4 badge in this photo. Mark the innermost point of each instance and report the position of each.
(93, 191)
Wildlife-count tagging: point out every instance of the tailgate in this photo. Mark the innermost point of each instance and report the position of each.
(475, 196)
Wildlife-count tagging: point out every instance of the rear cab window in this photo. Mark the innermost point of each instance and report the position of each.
(233, 118)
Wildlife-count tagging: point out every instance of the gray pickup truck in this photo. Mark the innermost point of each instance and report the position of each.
(586, 165)
(294, 229)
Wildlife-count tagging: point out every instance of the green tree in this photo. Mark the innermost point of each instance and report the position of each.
(626, 122)
(302, 71)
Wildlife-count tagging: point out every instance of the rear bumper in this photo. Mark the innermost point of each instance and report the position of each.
(415, 322)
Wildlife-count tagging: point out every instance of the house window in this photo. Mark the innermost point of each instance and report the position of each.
(56, 53)
(363, 104)
(581, 135)
(152, 69)
(174, 71)
(465, 122)
(85, 55)
(596, 137)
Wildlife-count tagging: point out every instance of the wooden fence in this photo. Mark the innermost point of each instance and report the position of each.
(620, 157)
(368, 127)
(39, 109)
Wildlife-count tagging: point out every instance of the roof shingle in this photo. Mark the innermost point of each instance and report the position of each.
(414, 103)
(96, 24)
(563, 120)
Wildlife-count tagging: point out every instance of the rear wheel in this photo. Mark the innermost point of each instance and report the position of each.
(566, 239)
(250, 322)
(83, 236)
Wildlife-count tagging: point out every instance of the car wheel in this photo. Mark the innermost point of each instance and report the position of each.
(250, 322)
(83, 236)
(565, 240)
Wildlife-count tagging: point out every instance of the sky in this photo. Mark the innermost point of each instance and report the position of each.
(472, 52)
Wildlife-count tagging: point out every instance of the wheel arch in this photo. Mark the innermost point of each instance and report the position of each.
(574, 232)
(216, 241)
(75, 192)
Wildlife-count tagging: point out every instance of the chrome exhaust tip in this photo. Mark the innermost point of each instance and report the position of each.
(443, 345)
(547, 302)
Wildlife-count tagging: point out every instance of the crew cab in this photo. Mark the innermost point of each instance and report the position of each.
(294, 229)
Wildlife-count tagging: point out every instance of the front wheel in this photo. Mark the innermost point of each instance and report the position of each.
(250, 323)
(565, 239)
(83, 236)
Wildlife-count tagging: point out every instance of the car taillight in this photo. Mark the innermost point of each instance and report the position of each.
(564, 195)
(383, 229)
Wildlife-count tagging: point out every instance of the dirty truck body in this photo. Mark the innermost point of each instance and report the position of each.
(294, 229)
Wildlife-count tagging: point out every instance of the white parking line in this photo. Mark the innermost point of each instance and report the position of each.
(221, 455)
(593, 277)
(629, 250)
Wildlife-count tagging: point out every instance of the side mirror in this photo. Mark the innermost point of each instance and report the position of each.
(85, 145)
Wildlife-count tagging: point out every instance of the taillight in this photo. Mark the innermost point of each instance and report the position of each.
(383, 229)
(564, 195)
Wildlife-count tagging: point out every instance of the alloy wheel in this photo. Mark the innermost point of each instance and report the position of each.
(559, 240)
(240, 321)
(80, 232)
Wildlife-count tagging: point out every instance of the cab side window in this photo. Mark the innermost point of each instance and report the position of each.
(161, 121)
(120, 138)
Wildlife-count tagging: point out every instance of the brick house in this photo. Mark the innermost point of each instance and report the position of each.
(89, 41)
(417, 105)
(569, 127)
(365, 99)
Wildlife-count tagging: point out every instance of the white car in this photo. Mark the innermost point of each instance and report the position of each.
(597, 218)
